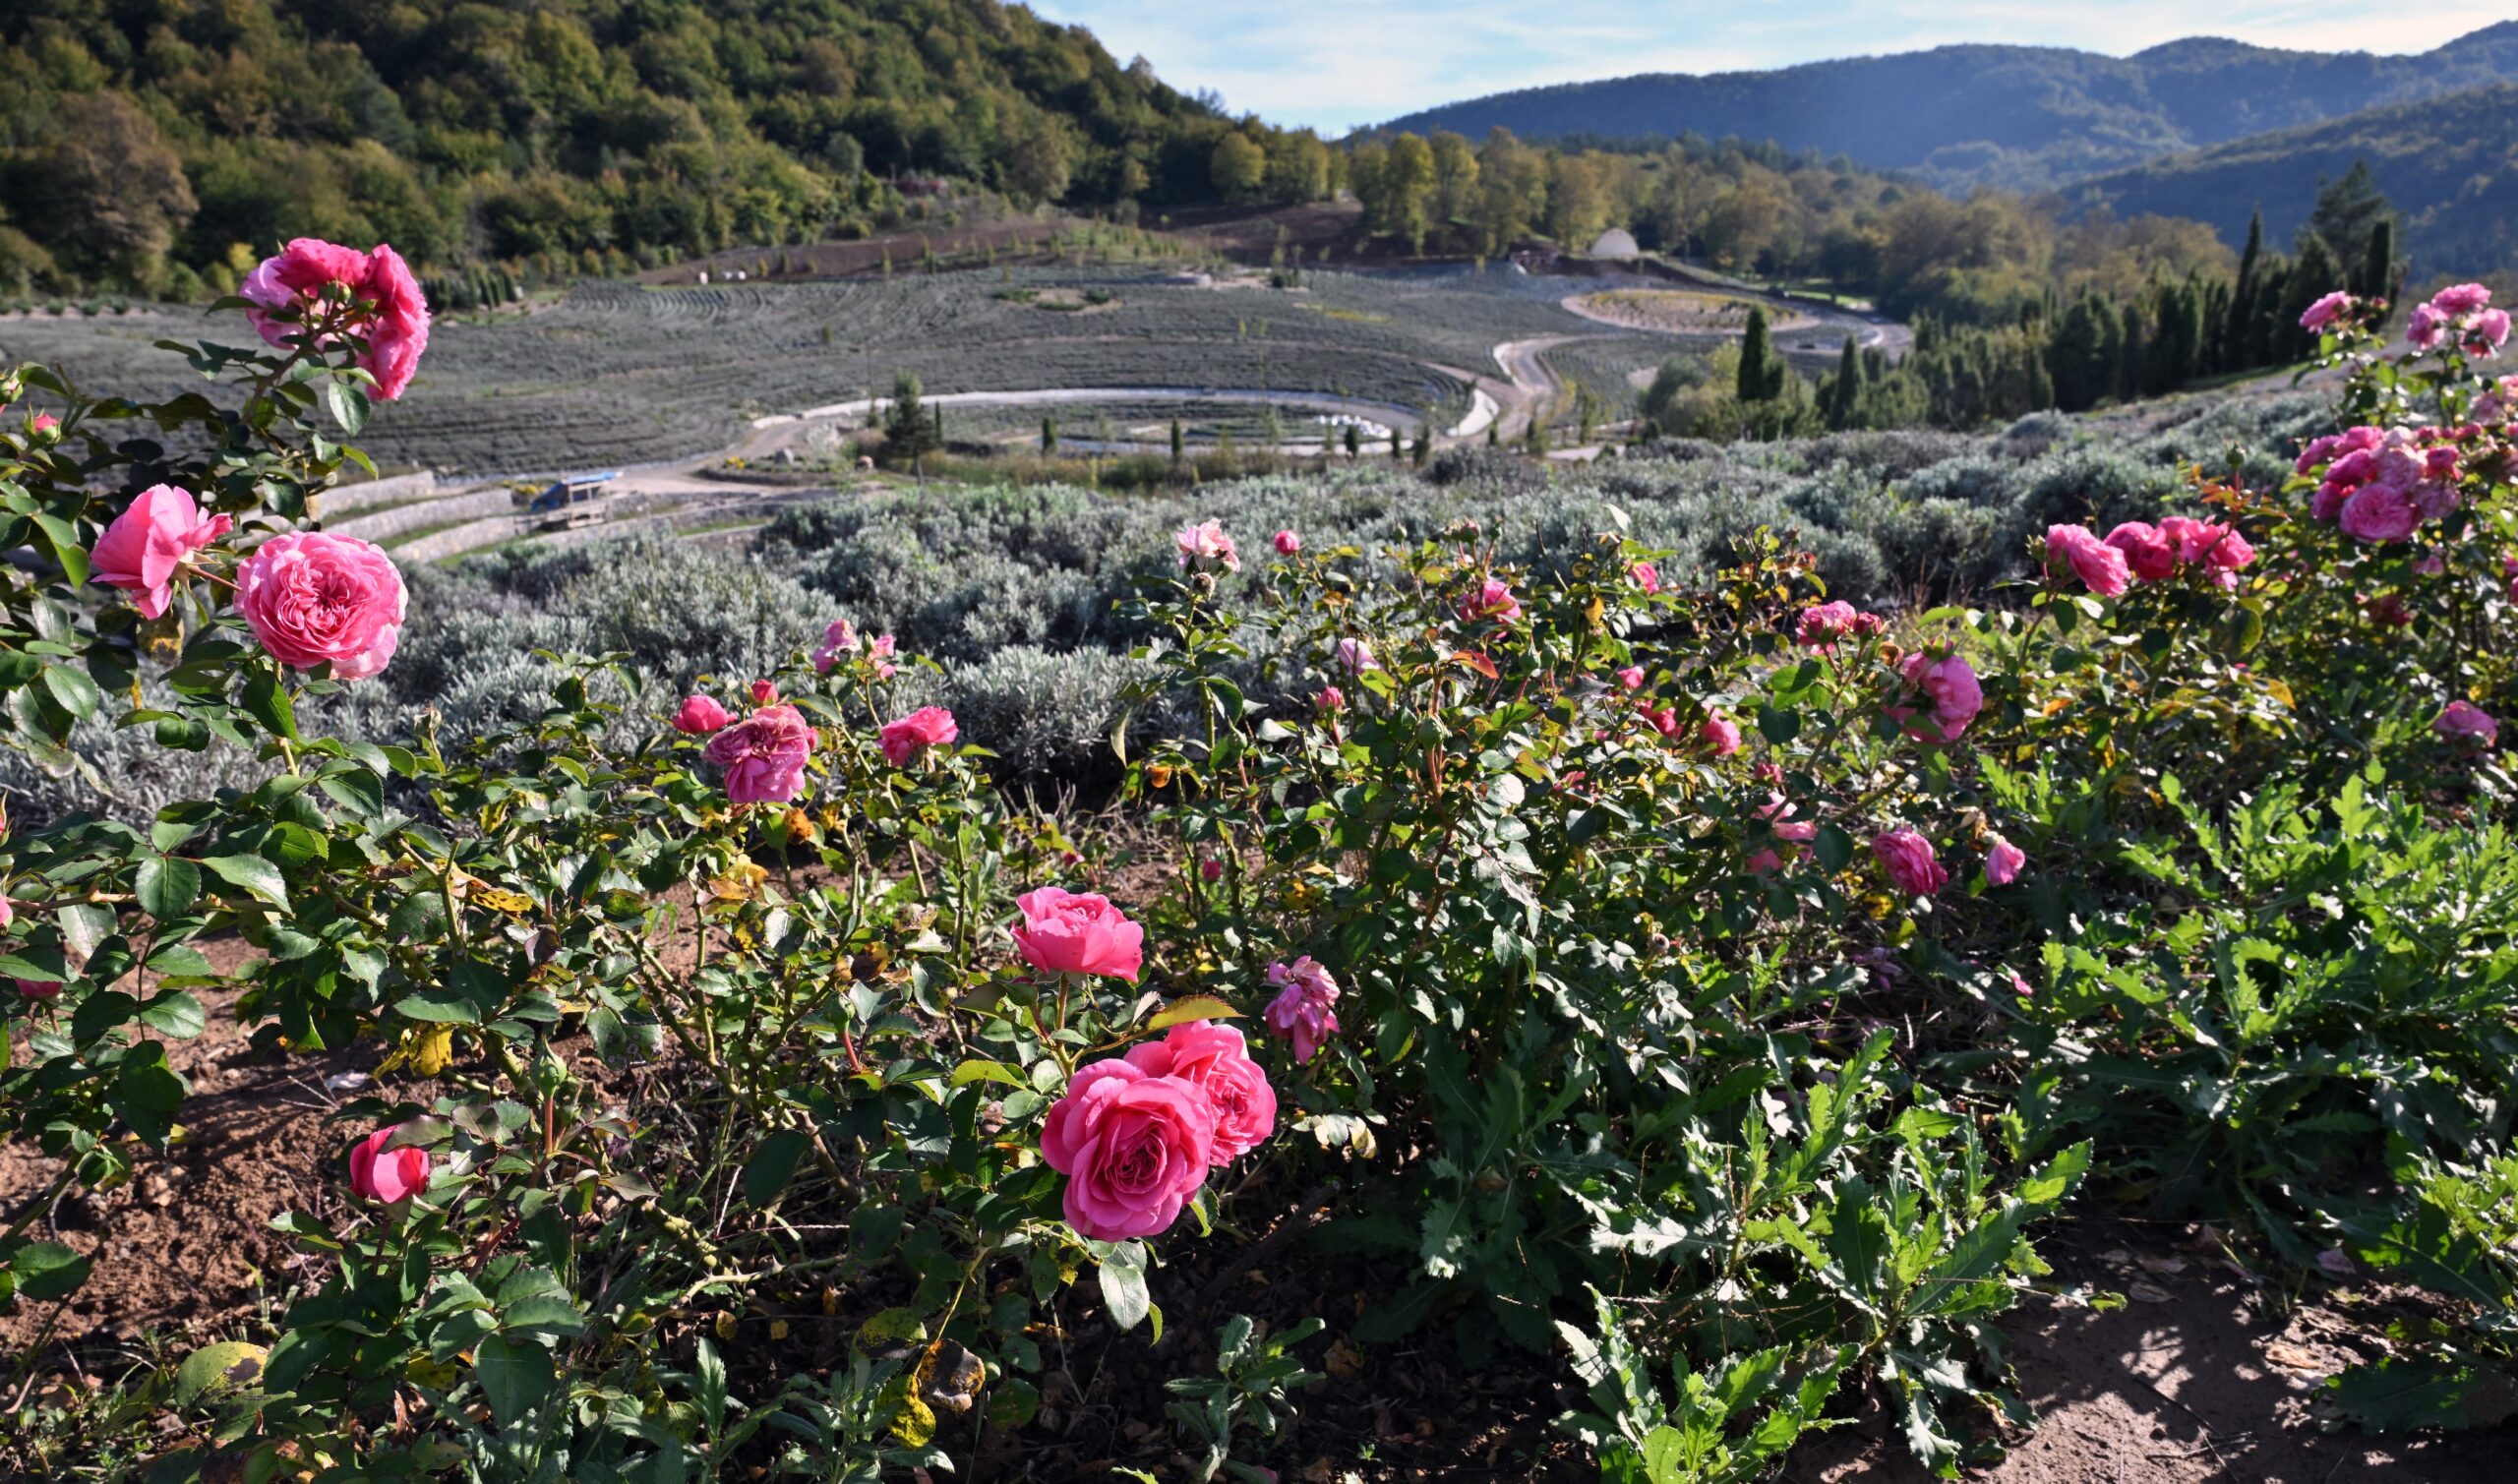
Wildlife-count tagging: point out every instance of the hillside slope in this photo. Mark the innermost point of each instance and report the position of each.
(2013, 116)
(2448, 165)
(142, 142)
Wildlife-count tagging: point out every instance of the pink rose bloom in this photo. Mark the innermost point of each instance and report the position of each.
(1133, 1146)
(2426, 327)
(926, 727)
(2326, 311)
(1911, 865)
(1331, 698)
(2149, 552)
(1949, 684)
(1721, 733)
(1664, 719)
(2020, 986)
(1632, 677)
(763, 693)
(2489, 332)
(839, 641)
(878, 652)
(1494, 600)
(1207, 542)
(42, 426)
(386, 1175)
(398, 333)
(1302, 1011)
(1072, 933)
(1213, 1058)
(2464, 722)
(2002, 862)
(2461, 299)
(391, 315)
(1646, 576)
(1210, 869)
(763, 755)
(2380, 512)
(2101, 567)
(294, 278)
(1824, 624)
(1289, 543)
(2225, 551)
(2433, 563)
(312, 598)
(1779, 817)
(700, 715)
(38, 989)
(1356, 655)
(150, 542)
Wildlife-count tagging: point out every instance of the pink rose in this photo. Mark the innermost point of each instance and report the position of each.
(879, 653)
(2426, 327)
(763, 755)
(2149, 552)
(1289, 543)
(2002, 862)
(700, 715)
(1721, 733)
(926, 727)
(1646, 576)
(1302, 1011)
(385, 311)
(398, 333)
(42, 426)
(1210, 869)
(312, 598)
(1664, 719)
(150, 542)
(1134, 1148)
(765, 693)
(2464, 722)
(2101, 567)
(2487, 334)
(1213, 1059)
(38, 989)
(1331, 698)
(839, 641)
(1911, 865)
(386, 1175)
(293, 279)
(2461, 299)
(1207, 542)
(2326, 311)
(1824, 624)
(1949, 684)
(1779, 817)
(1632, 677)
(2377, 512)
(1078, 932)
(1493, 600)
(1354, 656)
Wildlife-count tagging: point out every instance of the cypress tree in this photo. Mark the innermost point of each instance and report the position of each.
(1844, 393)
(1178, 446)
(2376, 276)
(1757, 381)
(1048, 435)
(2238, 334)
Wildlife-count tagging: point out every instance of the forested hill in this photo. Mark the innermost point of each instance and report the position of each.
(2449, 165)
(2011, 116)
(155, 144)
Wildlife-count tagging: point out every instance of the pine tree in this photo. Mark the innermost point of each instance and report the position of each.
(1354, 441)
(908, 432)
(1048, 435)
(1179, 445)
(2376, 275)
(1397, 451)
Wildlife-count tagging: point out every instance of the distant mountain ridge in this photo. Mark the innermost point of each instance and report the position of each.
(2020, 117)
(2448, 165)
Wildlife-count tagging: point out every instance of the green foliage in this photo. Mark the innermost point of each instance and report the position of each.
(1249, 1389)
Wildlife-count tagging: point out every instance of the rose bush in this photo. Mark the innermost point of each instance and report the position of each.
(762, 1089)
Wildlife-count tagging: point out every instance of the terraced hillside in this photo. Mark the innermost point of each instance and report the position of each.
(617, 374)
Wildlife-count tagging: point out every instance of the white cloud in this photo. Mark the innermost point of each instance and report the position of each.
(1336, 63)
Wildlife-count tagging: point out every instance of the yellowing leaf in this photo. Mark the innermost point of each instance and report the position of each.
(497, 899)
(1182, 1012)
(915, 1423)
(424, 1049)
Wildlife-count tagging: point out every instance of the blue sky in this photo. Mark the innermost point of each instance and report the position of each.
(1336, 63)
